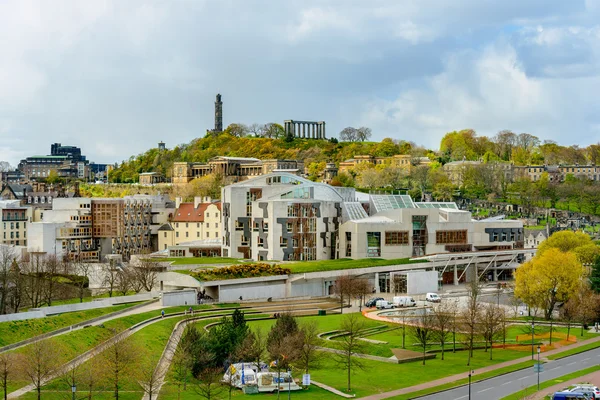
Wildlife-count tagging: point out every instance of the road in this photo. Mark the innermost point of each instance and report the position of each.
(501, 386)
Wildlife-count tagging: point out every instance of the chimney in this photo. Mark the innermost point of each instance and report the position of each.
(207, 199)
(178, 201)
(197, 201)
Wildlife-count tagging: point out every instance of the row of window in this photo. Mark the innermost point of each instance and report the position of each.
(13, 235)
(15, 225)
(197, 224)
(451, 237)
(187, 234)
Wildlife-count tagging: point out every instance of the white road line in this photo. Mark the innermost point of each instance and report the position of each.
(552, 369)
(585, 359)
(484, 390)
(462, 397)
(507, 383)
(573, 363)
(520, 379)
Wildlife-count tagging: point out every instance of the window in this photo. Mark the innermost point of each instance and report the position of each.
(165, 234)
(348, 244)
(373, 244)
(244, 241)
(187, 234)
(216, 225)
(207, 215)
(197, 234)
(177, 225)
(197, 224)
(186, 224)
(396, 238)
(207, 225)
(176, 234)
(288, 227)
(447, 237)
(207, 234)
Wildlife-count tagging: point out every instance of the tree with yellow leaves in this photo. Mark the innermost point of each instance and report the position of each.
(547, 279)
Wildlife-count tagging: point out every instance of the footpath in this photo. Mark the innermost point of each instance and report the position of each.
(454, 378)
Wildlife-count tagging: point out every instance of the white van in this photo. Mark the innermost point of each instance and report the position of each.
(381, 304)
(404, 301)
(433, 298)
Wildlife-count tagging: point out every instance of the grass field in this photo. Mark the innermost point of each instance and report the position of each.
(343, 263)
(15, 331)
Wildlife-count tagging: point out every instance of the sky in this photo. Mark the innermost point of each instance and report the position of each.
(117, 77)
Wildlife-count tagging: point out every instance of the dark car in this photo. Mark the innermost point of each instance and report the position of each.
(372, 301)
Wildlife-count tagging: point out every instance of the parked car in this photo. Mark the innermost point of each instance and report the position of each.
(382, 304)
(586, 388)
(566, 395)
(404, 301)
(372, 301)
(433, 298)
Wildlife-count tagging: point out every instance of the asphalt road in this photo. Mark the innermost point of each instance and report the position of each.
(502, 386)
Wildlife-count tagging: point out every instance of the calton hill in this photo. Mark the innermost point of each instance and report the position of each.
(467, 168)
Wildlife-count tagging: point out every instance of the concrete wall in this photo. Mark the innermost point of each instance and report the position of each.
(313, 287)
(254, 290)
(22, 316)
(419, 282)
(179, 298)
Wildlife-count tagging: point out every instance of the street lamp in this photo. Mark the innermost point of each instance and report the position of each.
(470, 373)
(538, 369)
(73, 390)
(532, 331)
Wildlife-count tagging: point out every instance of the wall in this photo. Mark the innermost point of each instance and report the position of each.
(251, 291)
(179, 298)
(419, 282)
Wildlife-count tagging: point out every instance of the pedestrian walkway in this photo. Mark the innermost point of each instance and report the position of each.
(332, 390)
(454, 378)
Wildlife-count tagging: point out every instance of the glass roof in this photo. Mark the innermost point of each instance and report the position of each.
(436, 205)
(383, 202)
(355, 210)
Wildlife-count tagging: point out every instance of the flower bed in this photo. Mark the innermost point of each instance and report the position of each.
(240, 271)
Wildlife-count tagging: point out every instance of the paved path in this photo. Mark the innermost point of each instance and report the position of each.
(453, 378)
(332, 390)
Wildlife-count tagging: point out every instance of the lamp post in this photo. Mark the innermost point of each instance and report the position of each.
(532, 332)
(539, 350)
(289, 383)
(470, 373)
(73, 390)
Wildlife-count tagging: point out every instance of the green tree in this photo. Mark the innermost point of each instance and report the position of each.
(53, 177)
(225, 338)
(595, 276)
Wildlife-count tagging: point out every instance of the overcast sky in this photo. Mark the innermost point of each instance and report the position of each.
(116, 77)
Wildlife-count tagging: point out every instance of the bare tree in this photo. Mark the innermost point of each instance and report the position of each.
(344, 288)
(253, 347)
(569, 312)
(6, 371)
(208, 382)
(83, 270)
(111, 275)
(349, 134)
(363, 134)
(147, 272)
(7, 257)
(39, 362)
(285, 352)
(51, 268)
(423, 332)
(119, 359)
(34, 282)
(124, 279)
(89, 377)
(443, 321)
(309, 354)
(470, 318)
(350, 344)
(361, 288)
(150, 376)
(491, 324)
(181, 367)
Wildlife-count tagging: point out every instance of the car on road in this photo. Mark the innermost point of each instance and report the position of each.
(586, 388)
(382, 304)
(566, 395)
(404, 301)
(372, 301)
(433, 298)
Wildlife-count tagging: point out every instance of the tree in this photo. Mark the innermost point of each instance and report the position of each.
(470, 317)
(125, 278)
(547, 279)
(53, 177)
(492, 317)
(83, 270)
(147, 273)
(7, 257)
(225, 338)
(253, 347)
(111, 276)
(443, 321)
(208, 382)
(566, 241)
(39, 362)
(350, 344)
(308, 353)
(423, 332)
(595, 276)
(349, 134)
(285, 352)
(181, 366)
(363, 134)
(344, 288)
(150, 376)
(119, 359)
(237, 130)
(6, 371)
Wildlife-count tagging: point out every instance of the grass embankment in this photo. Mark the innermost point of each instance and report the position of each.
(543, 385)
(200, 260)
(344, 263)
(15, 331)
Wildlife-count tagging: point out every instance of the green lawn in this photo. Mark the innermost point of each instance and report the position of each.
(201, 260)
(15, 331)
(343, 263)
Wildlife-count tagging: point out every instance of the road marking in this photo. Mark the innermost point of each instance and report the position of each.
(484, 390)
(507, 383)
(520, 379)
(552, 369)
(462, 397)
(573, 363)
(585, 359)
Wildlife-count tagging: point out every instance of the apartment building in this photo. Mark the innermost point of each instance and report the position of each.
(403, 161)
(14, 223)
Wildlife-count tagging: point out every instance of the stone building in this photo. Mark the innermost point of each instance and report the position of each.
(238, 168)
(304, 129)
(151, 178)
(13, 224)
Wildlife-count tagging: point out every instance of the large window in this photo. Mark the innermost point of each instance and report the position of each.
(451, 237)
(396, 238)
(373, 244)
(348, 244)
